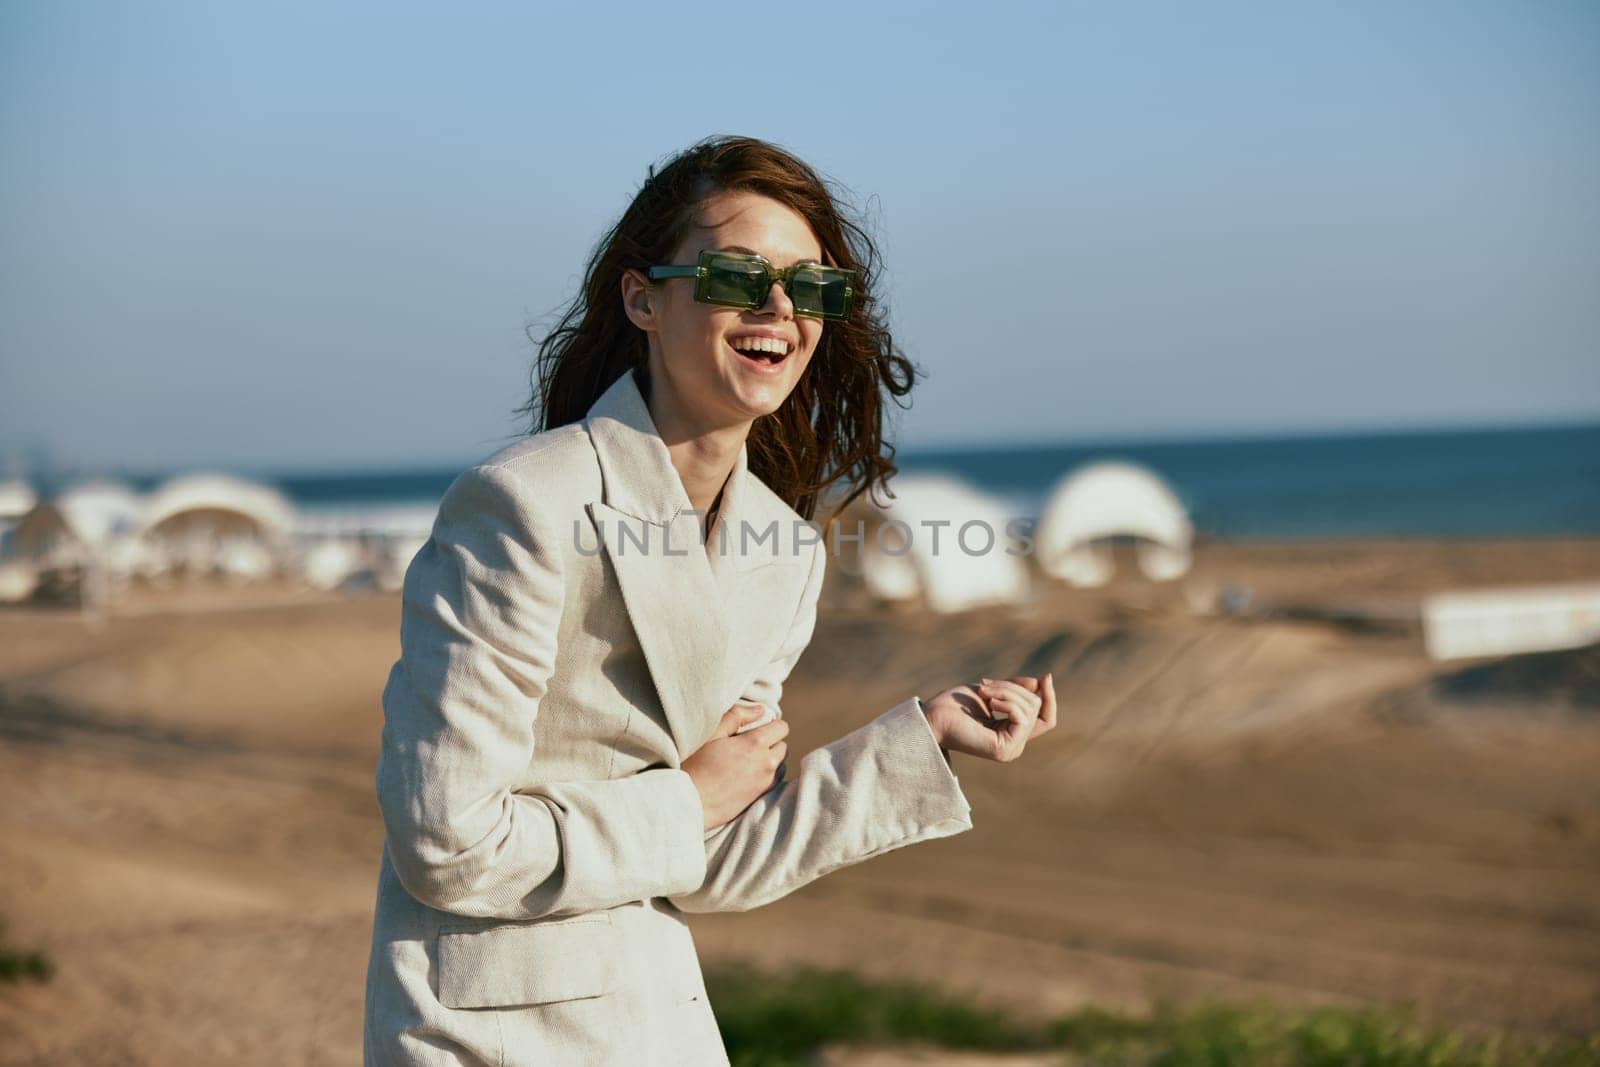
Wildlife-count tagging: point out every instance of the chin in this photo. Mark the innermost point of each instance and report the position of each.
(754, 403)
(754, 396)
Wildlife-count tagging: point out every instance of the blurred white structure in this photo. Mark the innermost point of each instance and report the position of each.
(390, 536)
(92, 539)
(951, 551)
(17, 498)
(1501, 622)
(215, 524)
(77, 525)
(17, 578)
(71, 541)
(330, 563)
(395, 557)
(17, 581)
(1105, 499)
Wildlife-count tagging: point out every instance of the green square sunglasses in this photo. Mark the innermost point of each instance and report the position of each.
(738, 280)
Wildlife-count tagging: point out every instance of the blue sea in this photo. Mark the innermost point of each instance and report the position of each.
(1468, 483)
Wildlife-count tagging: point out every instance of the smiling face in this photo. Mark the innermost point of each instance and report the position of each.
(714, 366)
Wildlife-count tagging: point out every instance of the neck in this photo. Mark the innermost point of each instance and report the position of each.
(704, 453)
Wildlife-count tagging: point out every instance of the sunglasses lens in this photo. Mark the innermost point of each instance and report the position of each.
(821, 292)
(735, 282)
(741, 281)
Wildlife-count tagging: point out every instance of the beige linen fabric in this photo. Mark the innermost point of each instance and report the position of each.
(566, 641)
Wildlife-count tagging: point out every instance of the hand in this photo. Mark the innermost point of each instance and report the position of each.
(730, 770)
(996, 719)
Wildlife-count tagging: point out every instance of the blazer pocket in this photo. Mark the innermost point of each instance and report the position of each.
(518, 964)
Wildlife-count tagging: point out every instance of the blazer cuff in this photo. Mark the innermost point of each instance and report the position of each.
(945, 752)
(917, 766)
(683, 835)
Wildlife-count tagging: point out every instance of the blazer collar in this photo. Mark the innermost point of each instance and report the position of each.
(637, 471)
(636, 467)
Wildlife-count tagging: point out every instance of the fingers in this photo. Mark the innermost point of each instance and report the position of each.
(741, 713)
(738, 717)
(771, 733)
(1020, 704)
(1047, 706)
(1009, 709)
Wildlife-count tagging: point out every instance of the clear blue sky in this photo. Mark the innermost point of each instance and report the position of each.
(311, 236)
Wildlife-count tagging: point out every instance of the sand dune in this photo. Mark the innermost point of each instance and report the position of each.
(1289, 807)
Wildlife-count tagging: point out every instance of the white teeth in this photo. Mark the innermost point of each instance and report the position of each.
(770, 345)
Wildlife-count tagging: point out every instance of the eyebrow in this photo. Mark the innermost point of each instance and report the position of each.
(753, 252)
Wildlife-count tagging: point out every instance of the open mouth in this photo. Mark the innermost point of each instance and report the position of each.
(764, 352)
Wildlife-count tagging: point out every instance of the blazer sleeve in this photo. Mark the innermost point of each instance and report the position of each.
(883, 786)
(480, 611)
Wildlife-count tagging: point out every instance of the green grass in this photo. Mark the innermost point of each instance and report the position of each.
(780, 1020)
(24, 966)
(18, 966)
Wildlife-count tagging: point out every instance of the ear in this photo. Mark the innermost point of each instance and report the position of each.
(638, 300)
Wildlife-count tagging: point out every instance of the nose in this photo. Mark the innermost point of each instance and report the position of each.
(778, 302)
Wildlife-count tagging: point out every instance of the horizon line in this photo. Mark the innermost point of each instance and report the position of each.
(904, 451)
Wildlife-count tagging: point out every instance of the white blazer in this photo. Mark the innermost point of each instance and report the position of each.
(559, 659)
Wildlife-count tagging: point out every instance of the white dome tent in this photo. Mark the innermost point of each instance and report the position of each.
(216, 523)
(64, 542)
(933, 557)
(1106, 499)
(225, 502)
(76, 524)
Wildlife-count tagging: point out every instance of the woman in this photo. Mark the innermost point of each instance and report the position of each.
(582, 736)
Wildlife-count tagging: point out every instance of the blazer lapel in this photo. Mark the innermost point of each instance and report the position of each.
(760, 581)
(698, 619)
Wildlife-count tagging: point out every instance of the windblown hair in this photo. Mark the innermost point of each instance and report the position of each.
(830, 428)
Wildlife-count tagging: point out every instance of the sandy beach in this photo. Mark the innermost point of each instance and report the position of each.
(1291, 804)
